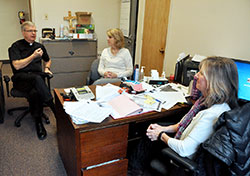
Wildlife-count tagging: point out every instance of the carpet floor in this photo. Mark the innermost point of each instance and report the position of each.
(21, 152)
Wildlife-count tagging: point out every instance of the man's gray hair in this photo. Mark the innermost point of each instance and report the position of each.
(26, 23)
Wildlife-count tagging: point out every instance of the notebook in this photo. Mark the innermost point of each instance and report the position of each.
(124, 106)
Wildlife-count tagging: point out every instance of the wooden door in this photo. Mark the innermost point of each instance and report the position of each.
(154, 34)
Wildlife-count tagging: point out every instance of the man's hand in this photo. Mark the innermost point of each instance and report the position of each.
(47, 70)
(38, 53)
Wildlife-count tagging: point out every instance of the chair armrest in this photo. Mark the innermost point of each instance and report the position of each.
(48, 76)
(88, 79)
(177, 159)
(7, 80)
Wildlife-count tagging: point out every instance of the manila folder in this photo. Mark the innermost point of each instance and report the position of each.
(124, 106)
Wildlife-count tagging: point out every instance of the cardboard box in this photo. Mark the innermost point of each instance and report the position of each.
(83, 17)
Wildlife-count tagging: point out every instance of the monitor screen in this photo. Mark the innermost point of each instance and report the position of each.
(244, 79)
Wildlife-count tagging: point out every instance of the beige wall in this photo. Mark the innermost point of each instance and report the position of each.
(10, 27)
(105, 14)
(206, 27)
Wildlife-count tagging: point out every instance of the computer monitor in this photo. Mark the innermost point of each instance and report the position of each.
(244, 79)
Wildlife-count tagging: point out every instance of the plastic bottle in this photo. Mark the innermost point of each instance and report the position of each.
(163, 75)
(61, 31)
(136, 73)
(142, 73)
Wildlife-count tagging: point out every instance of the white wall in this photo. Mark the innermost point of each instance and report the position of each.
(10, 27)
(105, 15)
(205, 27)
(208, 27)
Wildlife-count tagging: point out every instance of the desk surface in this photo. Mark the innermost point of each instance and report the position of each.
(109, 121)
(81, 146)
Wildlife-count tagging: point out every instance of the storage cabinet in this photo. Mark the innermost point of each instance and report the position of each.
(71, 61)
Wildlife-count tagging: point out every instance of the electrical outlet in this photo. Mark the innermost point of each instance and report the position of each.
(46, 16)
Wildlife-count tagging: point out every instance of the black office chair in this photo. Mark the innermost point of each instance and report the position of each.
(16, 93)
(188, 166)
(239, 121)
(93, 74)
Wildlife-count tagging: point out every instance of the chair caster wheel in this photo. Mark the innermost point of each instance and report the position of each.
(17, 124)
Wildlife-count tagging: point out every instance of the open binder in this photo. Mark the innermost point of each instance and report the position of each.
(124, 106)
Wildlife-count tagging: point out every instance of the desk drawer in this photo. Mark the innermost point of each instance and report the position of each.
(71, 64)
(113, 169)
(71, 48)
(103, 145)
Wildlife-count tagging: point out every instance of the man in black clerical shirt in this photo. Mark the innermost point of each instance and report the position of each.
(25, 59)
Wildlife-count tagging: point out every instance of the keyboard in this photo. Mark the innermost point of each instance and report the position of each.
(82, 93)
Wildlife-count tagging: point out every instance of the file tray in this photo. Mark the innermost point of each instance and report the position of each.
(82, 93)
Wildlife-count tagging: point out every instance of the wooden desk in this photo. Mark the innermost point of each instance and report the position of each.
(81, 146)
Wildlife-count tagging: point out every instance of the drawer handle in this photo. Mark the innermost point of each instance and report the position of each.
(71, 53)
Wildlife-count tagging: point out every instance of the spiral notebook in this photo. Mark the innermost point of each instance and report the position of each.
(124, 106)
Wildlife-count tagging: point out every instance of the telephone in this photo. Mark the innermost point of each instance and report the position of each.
(48, 33)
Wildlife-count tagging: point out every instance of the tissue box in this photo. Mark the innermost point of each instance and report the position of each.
(83, 36)
(83, 17)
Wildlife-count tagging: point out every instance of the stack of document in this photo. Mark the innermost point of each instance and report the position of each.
(123, 106)
(86, 111)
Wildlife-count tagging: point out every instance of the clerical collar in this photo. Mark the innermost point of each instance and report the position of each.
(30, 44)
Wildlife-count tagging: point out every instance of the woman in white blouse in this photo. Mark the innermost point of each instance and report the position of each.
(115, 61)
(218, 82)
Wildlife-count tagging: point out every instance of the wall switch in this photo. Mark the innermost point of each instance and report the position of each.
(46, 16)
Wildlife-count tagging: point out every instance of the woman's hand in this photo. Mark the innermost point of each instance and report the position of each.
(153, 131)
(109, 74)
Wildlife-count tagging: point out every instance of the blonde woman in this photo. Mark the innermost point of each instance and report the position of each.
(218, 82)
(115, 61)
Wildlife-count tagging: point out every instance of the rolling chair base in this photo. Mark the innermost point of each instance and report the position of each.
(23, 114)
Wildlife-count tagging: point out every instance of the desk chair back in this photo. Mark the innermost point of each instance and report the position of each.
(93, 73)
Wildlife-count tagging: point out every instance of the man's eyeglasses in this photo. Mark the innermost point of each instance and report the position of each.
(30, 30)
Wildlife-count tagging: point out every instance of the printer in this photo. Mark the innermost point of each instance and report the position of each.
(185, 70)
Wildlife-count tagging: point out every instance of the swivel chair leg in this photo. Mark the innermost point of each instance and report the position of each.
(10, 111)
(20, 117)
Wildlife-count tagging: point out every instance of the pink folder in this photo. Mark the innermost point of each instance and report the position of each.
(124, 106)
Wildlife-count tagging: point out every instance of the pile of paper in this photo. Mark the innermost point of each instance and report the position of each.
(86, 111)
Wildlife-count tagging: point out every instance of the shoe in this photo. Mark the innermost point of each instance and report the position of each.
(41, 132)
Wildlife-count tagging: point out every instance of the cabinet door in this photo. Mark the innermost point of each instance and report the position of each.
(74, 64)
(71, 48)
(65, 80)
(58, 48)
(84, 48)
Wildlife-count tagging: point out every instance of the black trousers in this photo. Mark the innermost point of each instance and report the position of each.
(38, 93)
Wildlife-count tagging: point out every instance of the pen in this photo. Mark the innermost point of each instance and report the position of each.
(158, 104)
(157, 100)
